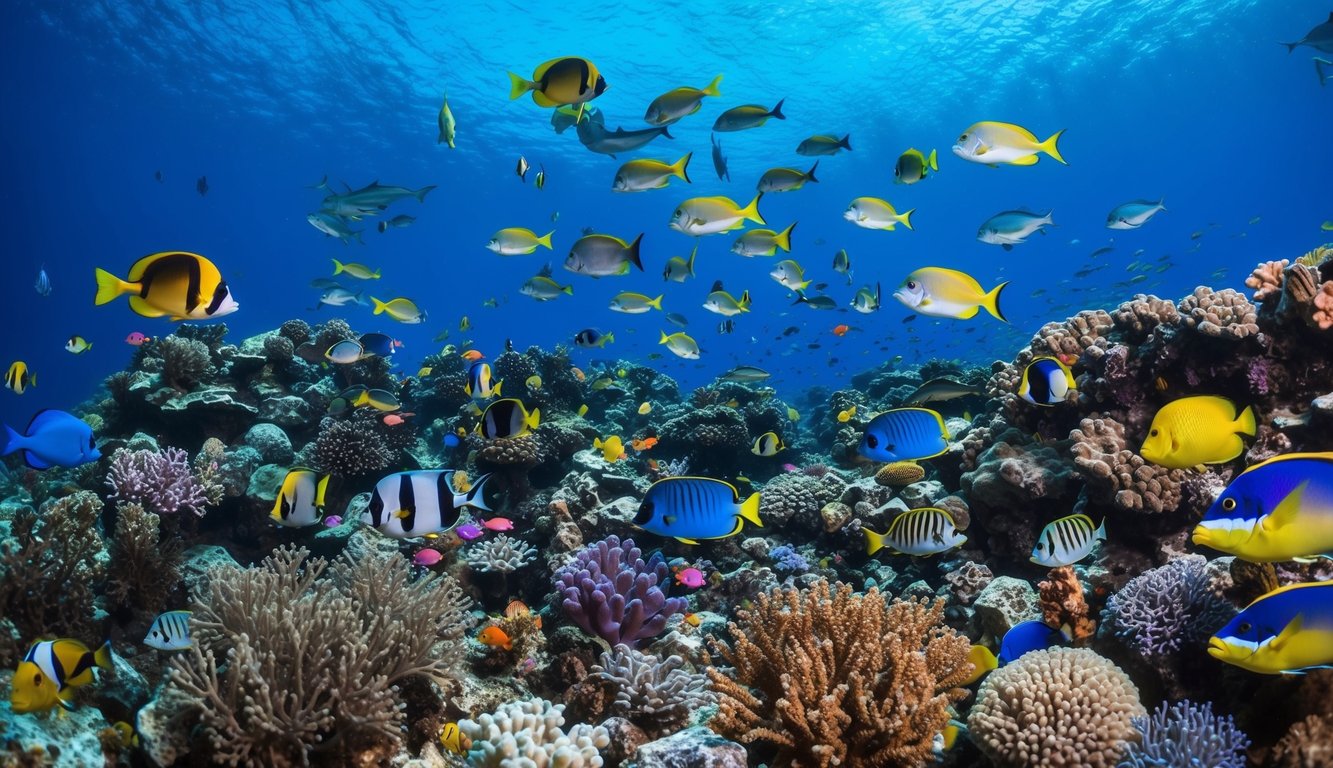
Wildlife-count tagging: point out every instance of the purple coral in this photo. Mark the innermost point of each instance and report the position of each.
(162, 481)
(610, 591)
(1185, 734)
(1257, 374)
(787, 560)
(1168, 608)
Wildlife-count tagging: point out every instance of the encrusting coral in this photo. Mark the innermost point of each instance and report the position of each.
(830, 677)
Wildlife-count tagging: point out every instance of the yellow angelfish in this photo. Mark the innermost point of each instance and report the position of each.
(846, 416)
(50, 672)
(612, 448)
(1198, 430)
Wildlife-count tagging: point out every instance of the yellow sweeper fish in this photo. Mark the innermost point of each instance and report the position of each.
(994, 143)
(711, 215)
(940, 292)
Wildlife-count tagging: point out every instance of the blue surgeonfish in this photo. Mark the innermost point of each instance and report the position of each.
(1046, 381)
(689, 509)
(1287, 631)
(1280, 509)
(905, 434)
(53, 439)
(170, 632)
(1022, 638)
(408, 505)
(300, 500)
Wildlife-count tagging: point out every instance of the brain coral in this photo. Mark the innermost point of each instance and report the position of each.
(1059, 707)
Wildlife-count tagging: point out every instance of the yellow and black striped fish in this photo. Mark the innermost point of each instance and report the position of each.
(50, 672)
(18, 378)
(922, 531)
(1067, 540)
(300, 499)
(174, 284)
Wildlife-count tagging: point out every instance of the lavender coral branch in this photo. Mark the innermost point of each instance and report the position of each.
(162, 481)
(611, 592)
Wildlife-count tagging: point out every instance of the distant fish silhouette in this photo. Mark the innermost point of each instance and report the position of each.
(202, 185)
(158, 175)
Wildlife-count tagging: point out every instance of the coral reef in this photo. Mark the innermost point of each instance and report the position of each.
(610, 591)
(163, 481)
(529, 733)
(144, 567)
(658, 695)
(501, 554)
(1185, 735)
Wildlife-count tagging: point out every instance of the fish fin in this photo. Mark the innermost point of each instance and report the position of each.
(474, 495)
(810, 174)
(1029, 160)
(991, 302)
(534, 418)
(846, 142)
(693, 253)
(663, 340)
(777, 110)
(496, 389)
(634, 250)
(1292, 629)
(420, 194)
(12, 441)
(33, 462)
(1050, 148)
(519, 86)
(1100, 533)
(874, 541)
(751, 211)
(906, 217)
(543, 100)
(1245, 423)
(380, 306)
(546, 239)
(102, 656)
(109, 287)
(783, 240)
(656, 303)
(712, 90)
(141, 307)
(681, 167)
(400, 513)
(338, 266)
(569, 289)
(1286, 510)
(750, 510)
(686, 541)
(932, 161)
(1006, 246)
(65, 697)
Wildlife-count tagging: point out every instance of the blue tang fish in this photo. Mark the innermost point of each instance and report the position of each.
(905, 434)
(1280, 509)
(1287, 631)
(53, 439)
(692, 508)
(1028, 636)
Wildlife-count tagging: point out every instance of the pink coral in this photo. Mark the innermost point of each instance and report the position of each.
(162, 481)
(1323, 306)
(1266, 279)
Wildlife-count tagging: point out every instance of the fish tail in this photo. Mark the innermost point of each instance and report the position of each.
(906, 217)
(751, 211)
(546, 240)
(634, 250)
(1161, 203)
(777, 110)
(874, 541)
(568, 289)
(13, 441)
(1050, 148)
(665, 133)
(681, 167)
(534, 418)
(1245, 422)
(519, 86)
(991, 302)
(110, 287)
(420, 194)
(496, 389)
(932, 161)
(102, 656)
(810, 174)
(663, 340)
(750, 509)
(783, 240)
(1100, 533)
(338, 266)
(1290, 46)
(608, 338)
(846, 142)
(380, 306)
(712, 90)
(804, 285)
(744, 302)
(474, 496)
(656, 303)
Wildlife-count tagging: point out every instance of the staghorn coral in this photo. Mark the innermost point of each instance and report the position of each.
(1266, 279)
(658, 695)
(830, 677)
(1224, 314)
(1185, 735)
(1058, 707)
(1062, 604)
(144, 567)
(163, 481)
(611, 592)
(1116, 474)
(313, 659)
(529, 733)
(1167, 609)
(50, 567)
(501, 554)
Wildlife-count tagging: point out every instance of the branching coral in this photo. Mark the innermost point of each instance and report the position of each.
(145, 565)
(163, 481)
(1115, 473)
(611, 592)
(658, 695)
(49, 570)
(185, 362)
(831, 677)
(1266, 279)
(312, 660)
(1185, 735)
(499, 555)
(1063, 706)
(1167, 609)
(529, 733)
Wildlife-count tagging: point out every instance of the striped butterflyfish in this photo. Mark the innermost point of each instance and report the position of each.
(922, 531)
(419, 503)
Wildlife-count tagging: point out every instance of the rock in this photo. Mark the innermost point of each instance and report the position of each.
(164, 726)
(626, 738)
(695, 747)
(199, 560)
(923, 493)
(218, 399)
(286, 411)
(272, 443)
(68, 739)
(616, 515)
(1004, 602)
(264, 484)
(1321, 409)
(124, 690)
(835, 515)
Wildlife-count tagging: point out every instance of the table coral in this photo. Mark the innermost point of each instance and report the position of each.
(829, 677)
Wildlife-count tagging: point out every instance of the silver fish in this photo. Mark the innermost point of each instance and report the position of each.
(1010, 228)
(1320, 38)
(334, 226)
(598, 139)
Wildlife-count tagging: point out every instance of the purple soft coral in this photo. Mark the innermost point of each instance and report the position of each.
(610, 591)
(162, 481)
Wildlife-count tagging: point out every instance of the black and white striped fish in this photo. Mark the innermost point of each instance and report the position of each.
(1067, 541)
(923, 531)
(408, 505)
(170, 632)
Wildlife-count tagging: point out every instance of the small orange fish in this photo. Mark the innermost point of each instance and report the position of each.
(692, 619)
(578, 374)
(1067, 358)
(496, 637)
(394, 419)
(472, 355)
(518, 609)
(643, 444)
(653, 465)
(841, 330)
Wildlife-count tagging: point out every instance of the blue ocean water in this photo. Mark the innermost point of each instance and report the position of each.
(1193, 102)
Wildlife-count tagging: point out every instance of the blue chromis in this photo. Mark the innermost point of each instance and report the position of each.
(692, 508)
(53, 439)
(1280, 509)
(300, 500)
(50, 672)
(508, 418)
(1198, 430)
(408, 505)
(920, 532)
(480, 385)
(905, 434)
(170, 632)
(1067, 541)
(1046, 381)
(1287, 631)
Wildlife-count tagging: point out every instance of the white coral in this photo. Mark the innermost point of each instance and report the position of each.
(527, 734)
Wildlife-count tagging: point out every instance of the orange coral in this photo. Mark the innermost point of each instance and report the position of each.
(1266, 279)
(1062, 604)
(1323, 306)
(831, 677)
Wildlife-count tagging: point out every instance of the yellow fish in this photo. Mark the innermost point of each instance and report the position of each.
(359, 271)
(711, 215)
(452, 739)
(19, 378)
(793, 414)
(993, 143)
(983, 661)
(424, 371)
(50, 672)
(612, 448)
(464, 324)
(583, 410)
(175, 284)
(1198, 430)
(939, 292)
(400, 309)
(646, 408)
(567, 80)
(534, 382)
(846, 416)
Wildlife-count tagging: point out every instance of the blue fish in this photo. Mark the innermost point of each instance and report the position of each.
(692, 508)
(1028, 636)
(1046, 381)
(1276, 510)
(378, 344)
(53, 439)
(452, 441)
(1287, 631)
(905, 434)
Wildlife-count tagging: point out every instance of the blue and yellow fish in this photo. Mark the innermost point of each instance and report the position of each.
(692, 508)
(1280, 509)
(480, 385)
(905, 434)
(1046, 381)
(1287, 631)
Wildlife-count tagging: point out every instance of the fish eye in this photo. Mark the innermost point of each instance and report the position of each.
(1228, 504)
(911, 284)
(1245, 626)
(872, 441)
(962, 138)
(677, 213)
(1153, 433)
(37, 679)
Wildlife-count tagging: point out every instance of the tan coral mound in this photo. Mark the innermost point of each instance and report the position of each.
(831, 677)
(899, 473)
(1059, 707)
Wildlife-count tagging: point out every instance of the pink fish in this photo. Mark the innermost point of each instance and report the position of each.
(468, 532)
(394, 419)
(333, 521)
(427, 557)
(692, 578)
(137, 339)
(790, 468)
(498, 524)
